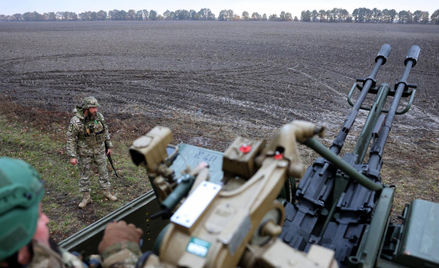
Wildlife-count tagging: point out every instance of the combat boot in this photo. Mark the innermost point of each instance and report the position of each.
(108, 195)
(85, 200)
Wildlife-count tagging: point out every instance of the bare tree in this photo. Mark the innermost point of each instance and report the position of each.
(245, 15)
(131, 14)
(153, 15)
(322, 14)
(435, 17)
(273, 17)
(101, 15)
(256, 16)
(305, 15)
(145, 14)
(282, 16)
(314, 15)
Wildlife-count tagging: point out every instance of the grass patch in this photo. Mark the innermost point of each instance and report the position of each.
(46, 152)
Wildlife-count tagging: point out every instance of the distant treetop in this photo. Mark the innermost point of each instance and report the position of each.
(359, 15)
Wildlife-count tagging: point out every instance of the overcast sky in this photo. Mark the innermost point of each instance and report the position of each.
(10, 7)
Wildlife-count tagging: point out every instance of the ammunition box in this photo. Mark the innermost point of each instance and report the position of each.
(419, 245)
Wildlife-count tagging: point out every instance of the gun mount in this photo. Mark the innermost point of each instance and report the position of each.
(340, 203)
(335, 211)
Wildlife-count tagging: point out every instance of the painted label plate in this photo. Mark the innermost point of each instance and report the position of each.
(195, 204)
(198, 247)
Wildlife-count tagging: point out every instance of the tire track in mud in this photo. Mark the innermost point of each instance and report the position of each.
(219, 94)
(316, 80)
(206, 100)
(14, 61)
(205, 97)
(223, 96)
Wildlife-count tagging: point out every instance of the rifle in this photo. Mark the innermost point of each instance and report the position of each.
(111, 160)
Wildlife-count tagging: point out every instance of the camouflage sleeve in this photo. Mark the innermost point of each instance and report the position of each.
(72, 141)
(121, 255)
(70, 260)
(48, 257)
(108, 143)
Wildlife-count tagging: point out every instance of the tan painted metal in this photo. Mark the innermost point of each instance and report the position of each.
(241, 224)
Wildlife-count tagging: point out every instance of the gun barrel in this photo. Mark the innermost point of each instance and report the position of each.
(377, 150)
(412, 55)
(383, 53)
(380, 59)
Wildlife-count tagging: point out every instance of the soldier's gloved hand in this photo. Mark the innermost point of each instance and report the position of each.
(74, 161)
(116, 232)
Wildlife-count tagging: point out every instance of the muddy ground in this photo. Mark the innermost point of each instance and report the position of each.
(212, 81)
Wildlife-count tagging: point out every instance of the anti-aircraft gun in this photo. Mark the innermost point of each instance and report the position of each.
(340, 203)
(351, 215)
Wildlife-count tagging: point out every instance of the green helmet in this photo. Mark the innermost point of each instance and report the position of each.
(21, 191)
(89, 102)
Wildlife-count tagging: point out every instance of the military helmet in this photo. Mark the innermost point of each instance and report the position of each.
(89, 102)
(21, 191)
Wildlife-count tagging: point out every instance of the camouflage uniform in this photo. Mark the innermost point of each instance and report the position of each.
(86, 140)
(46, 257)
(21, 218)
(123, 255)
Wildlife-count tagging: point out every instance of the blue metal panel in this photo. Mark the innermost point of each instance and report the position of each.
(193, 155)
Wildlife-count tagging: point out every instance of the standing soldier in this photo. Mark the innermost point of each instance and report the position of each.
(87, 139)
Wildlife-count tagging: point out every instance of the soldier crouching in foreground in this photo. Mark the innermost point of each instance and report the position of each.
(87, 139)
(24, 236)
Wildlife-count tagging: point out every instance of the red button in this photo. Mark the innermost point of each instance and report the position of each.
(245, 148)
(278, 156)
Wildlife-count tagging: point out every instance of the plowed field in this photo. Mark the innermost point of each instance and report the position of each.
(212, 81)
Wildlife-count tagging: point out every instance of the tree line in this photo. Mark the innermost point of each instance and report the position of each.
(359, 15)
(142, 15)
(365, 15)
